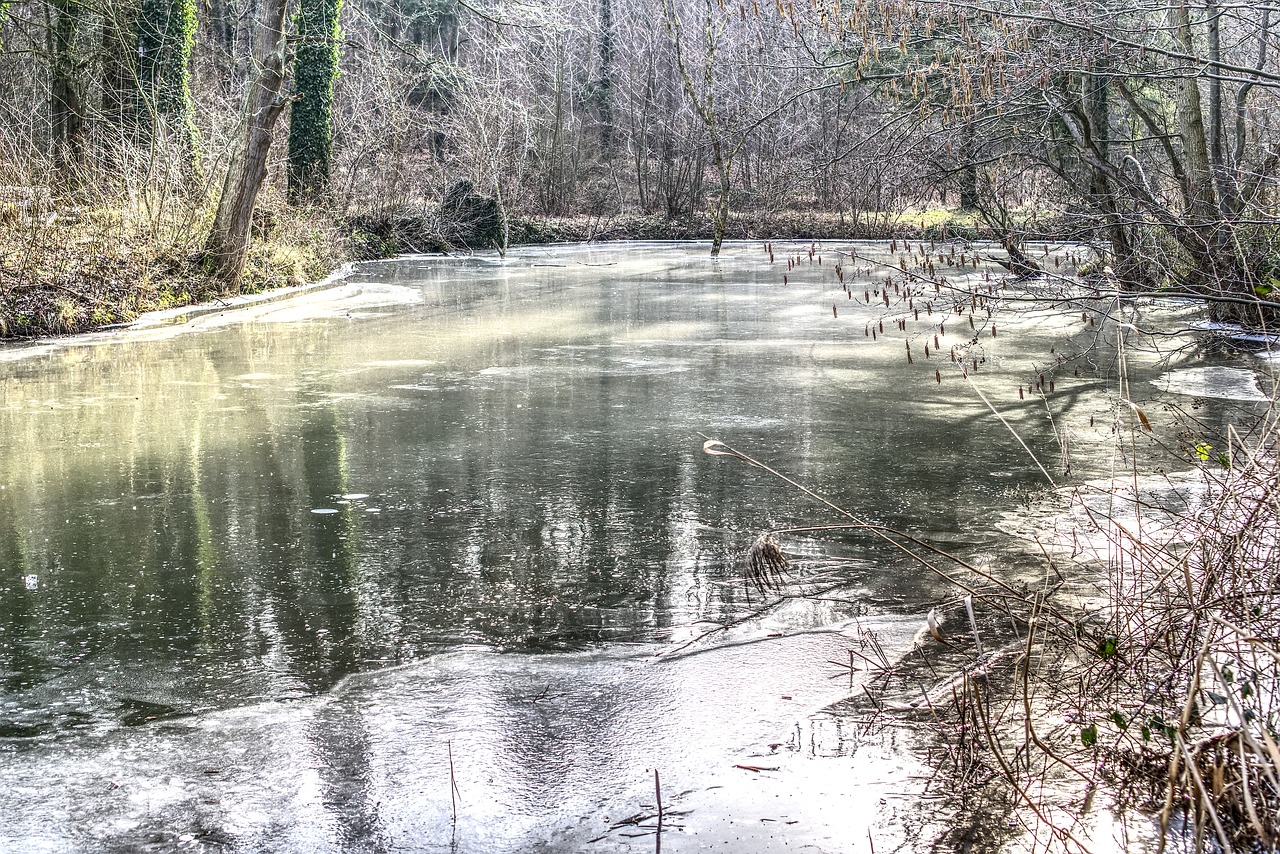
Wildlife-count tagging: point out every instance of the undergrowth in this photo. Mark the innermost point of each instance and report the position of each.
(93, 260)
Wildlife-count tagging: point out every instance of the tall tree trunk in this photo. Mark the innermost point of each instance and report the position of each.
(969, 198)
(1209, 238)
(1096, 99)
(720, 211)
(1201, 202)
(65, 109)
(315, 67)
(228, 243)
(118, 48)
(1228, 196)
(605, 92)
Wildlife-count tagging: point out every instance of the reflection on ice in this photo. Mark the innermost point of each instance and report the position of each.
(548, 753)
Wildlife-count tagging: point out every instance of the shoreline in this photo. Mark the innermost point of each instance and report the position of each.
(76, 284)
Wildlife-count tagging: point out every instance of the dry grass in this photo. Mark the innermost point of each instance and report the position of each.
(104, 255)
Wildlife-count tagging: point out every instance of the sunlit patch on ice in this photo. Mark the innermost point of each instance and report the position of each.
(1217, 382)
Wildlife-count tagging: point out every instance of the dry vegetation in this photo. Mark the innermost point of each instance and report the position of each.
(87, 260)
(1139, 680)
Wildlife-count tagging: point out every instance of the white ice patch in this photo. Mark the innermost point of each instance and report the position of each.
(352, 300)
(1218, 382)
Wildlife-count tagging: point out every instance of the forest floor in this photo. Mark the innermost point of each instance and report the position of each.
(69, 269)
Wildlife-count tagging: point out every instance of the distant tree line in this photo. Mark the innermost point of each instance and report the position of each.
(1145, 128)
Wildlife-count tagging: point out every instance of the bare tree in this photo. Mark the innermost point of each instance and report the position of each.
(228, 244)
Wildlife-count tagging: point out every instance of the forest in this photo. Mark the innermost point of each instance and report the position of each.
(158, 152)
(490, 528)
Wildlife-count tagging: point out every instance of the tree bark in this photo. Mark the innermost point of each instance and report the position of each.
(1202, 206)
(605, 91)
(118, 49)
(1096, 100)
(65, 109)
(228, 243)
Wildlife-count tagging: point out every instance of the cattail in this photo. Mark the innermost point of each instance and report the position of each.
(908, 352)
(936, 345)
(833, 310)
(926, 350)
(993, 330)
(784, 278)
(882, 326)
(937, 375)
(1020, 397)
(1050, 384)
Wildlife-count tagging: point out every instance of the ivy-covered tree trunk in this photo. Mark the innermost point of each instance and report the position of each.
(311, 115)
(166, 34)
(228, 245)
